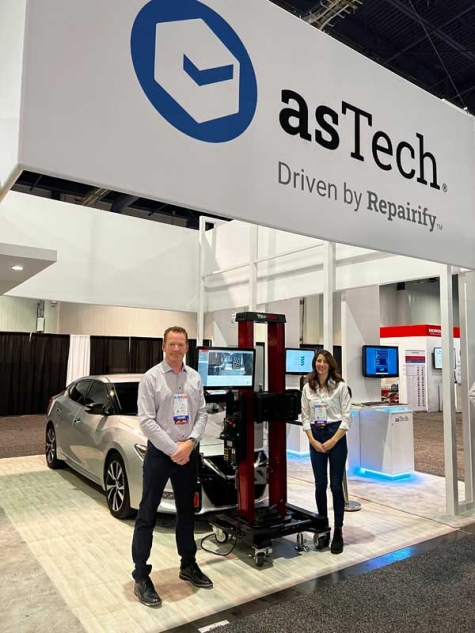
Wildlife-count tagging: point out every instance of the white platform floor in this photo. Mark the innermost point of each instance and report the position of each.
(86, 553)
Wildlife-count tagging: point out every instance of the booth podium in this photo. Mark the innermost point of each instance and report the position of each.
(382, 441)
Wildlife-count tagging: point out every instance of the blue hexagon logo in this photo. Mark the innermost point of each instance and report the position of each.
(194, 69)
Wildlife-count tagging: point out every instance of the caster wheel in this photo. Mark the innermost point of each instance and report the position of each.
(321, 541)
(259, 558)
(221, 536)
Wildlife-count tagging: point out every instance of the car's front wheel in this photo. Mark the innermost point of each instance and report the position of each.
(117, 488)
(51, 452)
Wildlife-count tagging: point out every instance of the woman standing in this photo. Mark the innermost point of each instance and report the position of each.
(326, 416)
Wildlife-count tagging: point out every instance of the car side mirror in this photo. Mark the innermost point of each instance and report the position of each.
(96, 408)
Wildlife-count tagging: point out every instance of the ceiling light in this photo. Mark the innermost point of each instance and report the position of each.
(17, 267)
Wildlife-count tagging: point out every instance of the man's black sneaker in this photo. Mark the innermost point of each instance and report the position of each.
(145, 592)
(337, 543)
(194, 574)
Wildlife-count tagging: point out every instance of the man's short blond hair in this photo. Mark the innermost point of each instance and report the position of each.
(177, 329)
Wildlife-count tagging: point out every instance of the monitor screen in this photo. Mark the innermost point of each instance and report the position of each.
(298, 361)
(380, 361)
(226, 367)
(437, 358)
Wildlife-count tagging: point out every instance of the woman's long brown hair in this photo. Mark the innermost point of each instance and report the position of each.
(333, 375)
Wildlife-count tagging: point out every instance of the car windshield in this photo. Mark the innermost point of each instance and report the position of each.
(126, 394)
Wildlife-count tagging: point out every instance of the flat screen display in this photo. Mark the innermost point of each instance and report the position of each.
(226, 367)
(298, 361)
(437, 358)
(380, 361)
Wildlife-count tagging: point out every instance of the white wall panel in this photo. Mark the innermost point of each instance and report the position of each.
(388, 298)
(294, 275)
(103, 258)
(17, 315)
(116, 321)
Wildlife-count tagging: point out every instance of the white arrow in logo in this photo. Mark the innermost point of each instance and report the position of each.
(196, 69)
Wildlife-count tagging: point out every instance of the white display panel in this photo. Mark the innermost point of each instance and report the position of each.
(194, 103)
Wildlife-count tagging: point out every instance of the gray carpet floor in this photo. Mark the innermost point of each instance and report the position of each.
(427, 593)
(429, 444)
(24, 435)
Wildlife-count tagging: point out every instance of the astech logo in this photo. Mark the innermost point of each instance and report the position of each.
(410, 159)
(194, 69)
(402, 418)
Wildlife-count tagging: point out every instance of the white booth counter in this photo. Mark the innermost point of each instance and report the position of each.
(380, 441)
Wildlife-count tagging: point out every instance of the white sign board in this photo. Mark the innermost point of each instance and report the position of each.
(242, 110)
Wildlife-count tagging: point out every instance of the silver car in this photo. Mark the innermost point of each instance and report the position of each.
(93, 427)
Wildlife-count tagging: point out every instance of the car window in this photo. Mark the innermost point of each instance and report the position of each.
(78, 391)
(126, 394)
(98, 394)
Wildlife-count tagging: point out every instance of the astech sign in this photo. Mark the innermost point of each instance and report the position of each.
(216, 115)
(410, 160)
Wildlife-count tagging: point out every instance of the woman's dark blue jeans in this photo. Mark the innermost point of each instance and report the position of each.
(336, 457)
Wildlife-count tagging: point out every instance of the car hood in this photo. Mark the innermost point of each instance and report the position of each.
(209, 439)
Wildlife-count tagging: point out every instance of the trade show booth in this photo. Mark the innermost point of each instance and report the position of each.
(420, 364)
(194, 104)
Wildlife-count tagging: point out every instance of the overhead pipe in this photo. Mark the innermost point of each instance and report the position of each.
(122, 202)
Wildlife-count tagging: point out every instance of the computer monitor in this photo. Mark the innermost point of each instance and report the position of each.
(380, 361)
(298, 361)
(437, 358)
(226, 367)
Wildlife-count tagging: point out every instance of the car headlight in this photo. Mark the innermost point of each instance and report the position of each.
(141, 450)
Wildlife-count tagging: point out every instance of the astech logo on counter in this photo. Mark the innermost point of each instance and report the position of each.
(410, 159)
(194, 69)
(401, 418)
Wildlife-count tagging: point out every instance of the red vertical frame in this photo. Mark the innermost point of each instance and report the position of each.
(246, 467)
(277, 429)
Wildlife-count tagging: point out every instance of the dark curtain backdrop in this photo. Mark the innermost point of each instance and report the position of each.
(32, 369)
(14, 363)
(144, 354)
(48, 370)
(109, 355)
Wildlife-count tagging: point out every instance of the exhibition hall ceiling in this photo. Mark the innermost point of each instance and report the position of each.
(431, 43)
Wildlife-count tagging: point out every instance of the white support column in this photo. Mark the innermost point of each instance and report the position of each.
(200, 315)
(448, 395)
(253, 257)
(467, 353)
(329, 283)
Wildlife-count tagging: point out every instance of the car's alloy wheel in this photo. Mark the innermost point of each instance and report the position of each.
(52, 460)
(117, 488)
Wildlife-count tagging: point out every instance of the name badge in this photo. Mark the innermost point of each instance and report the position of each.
(180, 409)
(320, 414)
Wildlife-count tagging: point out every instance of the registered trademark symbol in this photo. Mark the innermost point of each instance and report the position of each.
(444, 188)
(440, 226)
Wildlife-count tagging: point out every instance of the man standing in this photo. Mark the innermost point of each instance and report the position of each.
(172, 416)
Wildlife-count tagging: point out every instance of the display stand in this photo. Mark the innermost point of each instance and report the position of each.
(386, 441)
(259, 526)
(350, 506)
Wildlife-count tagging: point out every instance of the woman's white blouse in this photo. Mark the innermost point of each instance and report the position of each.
(337, 401)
